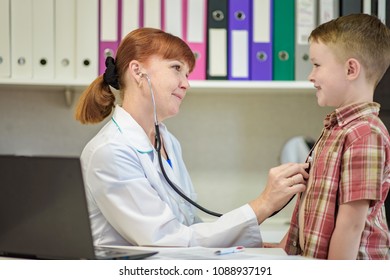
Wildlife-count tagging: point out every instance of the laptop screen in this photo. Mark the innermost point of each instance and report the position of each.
(43, 209)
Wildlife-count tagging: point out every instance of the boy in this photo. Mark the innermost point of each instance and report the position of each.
(341, 214)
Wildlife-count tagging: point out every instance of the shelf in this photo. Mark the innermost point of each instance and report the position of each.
(263, 87)
(49, 84)
(214, 86)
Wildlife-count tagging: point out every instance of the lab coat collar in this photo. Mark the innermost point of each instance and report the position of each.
(133, 131)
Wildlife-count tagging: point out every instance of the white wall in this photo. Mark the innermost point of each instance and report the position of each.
(229, 141)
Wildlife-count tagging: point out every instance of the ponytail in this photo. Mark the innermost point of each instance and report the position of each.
(97, 101)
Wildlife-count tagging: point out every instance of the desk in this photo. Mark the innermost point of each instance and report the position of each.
(202, 253)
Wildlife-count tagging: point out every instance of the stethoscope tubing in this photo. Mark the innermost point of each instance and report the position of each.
(157, 146)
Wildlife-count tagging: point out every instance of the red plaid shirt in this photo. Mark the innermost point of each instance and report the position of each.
(351, 162)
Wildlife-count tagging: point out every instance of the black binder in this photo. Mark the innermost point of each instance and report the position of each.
(348, 7)
(217, 41)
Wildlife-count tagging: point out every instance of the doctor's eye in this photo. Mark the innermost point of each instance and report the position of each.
(177, 67)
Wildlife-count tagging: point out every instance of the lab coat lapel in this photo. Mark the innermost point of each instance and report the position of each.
(131, 130)
(134, 134)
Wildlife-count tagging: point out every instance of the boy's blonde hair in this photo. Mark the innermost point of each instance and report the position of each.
(360, 36)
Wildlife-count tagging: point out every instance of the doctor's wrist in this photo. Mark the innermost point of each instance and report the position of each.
(261, 208)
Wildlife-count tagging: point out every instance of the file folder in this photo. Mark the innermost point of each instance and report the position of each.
(152, 13)
(383, 11)
(348, 7)
(108, 31)
(87, 39)
(239, 26)
(130, 12)
(65, 39)
(378, 8)
(217, 40)
(366, 6)
(173, 17)
(261, 43)
(373, 8)
(283, 40)
(43, 39)
(305, 22)
(5, 42)
(195, 29)
(328, 10)
(21, 38)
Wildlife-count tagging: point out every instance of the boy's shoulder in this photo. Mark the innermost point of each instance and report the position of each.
(364, 126)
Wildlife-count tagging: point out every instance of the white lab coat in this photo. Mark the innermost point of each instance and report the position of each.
(130, 202)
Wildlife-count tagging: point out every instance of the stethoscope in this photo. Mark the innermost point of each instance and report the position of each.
(157, 146)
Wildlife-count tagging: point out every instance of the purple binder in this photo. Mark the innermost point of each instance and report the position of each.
(239, 34)
(261, 40)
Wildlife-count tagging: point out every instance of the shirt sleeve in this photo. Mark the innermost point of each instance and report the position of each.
(362, 168)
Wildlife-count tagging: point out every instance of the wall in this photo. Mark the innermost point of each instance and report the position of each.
(229, 141)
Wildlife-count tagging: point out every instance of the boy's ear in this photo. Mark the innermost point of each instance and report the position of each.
(353, 68)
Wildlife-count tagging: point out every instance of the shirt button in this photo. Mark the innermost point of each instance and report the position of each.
(295, 244)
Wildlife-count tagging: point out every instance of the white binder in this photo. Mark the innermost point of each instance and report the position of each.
(5, 42)
(87, 39)
(130, 16)
(152, 13)
(367, 7)
(65, 39)
(43, 39)
(382, 10)
(21, 38)
(173, 17)
(306, 21)
(328, 10)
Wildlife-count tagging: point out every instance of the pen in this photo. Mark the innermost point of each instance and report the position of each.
(230, 250)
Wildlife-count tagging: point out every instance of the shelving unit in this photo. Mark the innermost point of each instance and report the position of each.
(197, 87)
(217, 86)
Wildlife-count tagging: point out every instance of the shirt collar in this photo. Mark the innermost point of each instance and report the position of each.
(343, 116)
(132, 131)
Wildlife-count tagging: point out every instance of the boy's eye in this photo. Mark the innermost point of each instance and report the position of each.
(177, 67)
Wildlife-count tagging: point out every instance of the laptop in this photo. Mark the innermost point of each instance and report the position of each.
(44, 214)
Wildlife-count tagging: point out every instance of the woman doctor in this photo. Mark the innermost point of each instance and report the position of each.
(130, 201)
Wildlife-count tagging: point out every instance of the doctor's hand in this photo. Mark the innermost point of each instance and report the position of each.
(283, 182)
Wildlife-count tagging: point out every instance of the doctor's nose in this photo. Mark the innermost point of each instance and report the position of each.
(185, 84)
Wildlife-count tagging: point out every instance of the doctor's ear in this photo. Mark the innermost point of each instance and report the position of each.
(135, 72)
(135, 69)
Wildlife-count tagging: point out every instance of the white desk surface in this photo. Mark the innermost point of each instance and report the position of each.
(202, 253)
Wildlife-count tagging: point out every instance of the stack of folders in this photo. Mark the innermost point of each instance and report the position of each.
(231, 39)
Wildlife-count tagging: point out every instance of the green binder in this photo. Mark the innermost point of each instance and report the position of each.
(283, 40)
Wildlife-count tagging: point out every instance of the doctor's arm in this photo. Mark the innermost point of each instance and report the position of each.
(137, 212)
(283, 182)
